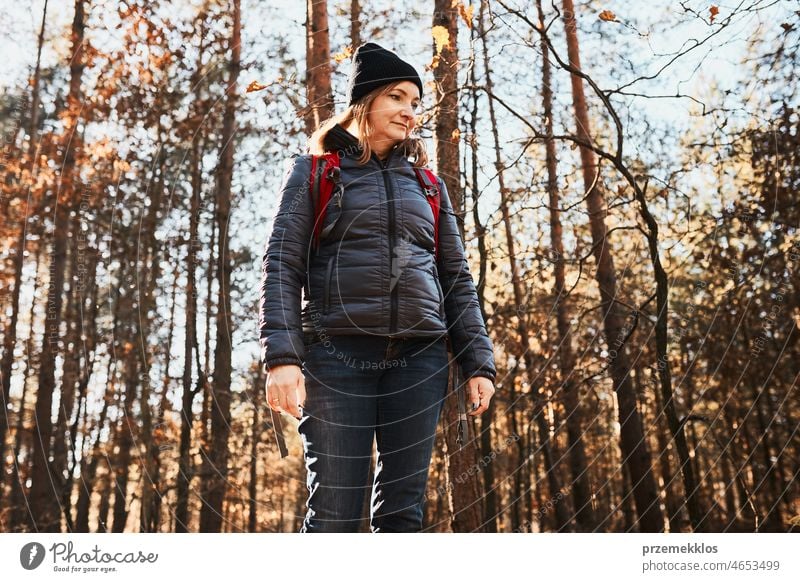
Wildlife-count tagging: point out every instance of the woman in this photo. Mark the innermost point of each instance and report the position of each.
(367, 355)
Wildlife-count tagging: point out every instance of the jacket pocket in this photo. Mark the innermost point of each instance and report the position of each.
(326, 297)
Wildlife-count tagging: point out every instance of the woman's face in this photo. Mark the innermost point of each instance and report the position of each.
(392, 115)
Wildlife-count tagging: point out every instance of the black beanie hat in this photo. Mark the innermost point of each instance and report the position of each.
(374, 66)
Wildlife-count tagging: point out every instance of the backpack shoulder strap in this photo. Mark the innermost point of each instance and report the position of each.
(430, 185)
(323, 180)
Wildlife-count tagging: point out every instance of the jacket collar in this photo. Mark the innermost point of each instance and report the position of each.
(338, 139)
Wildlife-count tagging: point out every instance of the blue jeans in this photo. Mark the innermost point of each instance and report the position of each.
(360, 387)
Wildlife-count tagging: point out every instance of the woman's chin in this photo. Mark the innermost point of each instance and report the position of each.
(397, 132)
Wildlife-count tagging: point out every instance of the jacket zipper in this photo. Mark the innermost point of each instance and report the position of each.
(390, 201)
(326, 300)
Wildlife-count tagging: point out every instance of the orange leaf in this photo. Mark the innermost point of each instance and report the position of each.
(714, 11)
(255, 86)
(441, 37)
(608, 16)
(466, 13)
(344, 55)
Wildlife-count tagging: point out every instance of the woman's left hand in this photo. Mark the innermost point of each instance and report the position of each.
(479, 392)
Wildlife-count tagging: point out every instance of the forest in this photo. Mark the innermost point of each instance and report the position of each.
(626, 181)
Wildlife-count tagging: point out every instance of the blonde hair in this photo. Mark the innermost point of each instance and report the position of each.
(413, 146)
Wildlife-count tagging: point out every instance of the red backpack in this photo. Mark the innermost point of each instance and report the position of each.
(326, 183)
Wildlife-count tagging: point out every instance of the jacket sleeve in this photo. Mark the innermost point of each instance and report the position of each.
(472, 346)
(283, 269)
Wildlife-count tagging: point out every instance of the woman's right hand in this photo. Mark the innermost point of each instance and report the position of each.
(286, 389)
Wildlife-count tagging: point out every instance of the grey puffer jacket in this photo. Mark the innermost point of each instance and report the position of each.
(375, 272)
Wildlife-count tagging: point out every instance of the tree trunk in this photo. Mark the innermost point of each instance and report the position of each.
(211, 274)
(671, 496)
(355, 23)
(464, 493)
(628, 512)
(18, 504)
(44, 515)
(185, 466)
(90, 462)
(690, 483)
(255, 436)
(9, 343)
(127, 428)
(318, 65)
(634, 447)
(487, 418)
(728, 482)
(150, 278)
(161, 427)
(772, 520)
(522, 463)
(10, 334)
(83, 379)
(105, 499)
(538, 476)
(69, 380)
(367, 504)
(214, 484)
(528, 493)
(581, 491)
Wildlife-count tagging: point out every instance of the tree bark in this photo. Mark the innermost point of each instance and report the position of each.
(465, 494)
(214, 483)
(581, 491)
(127, 427)
(44, 515)
(161, 428)
(105, 499)
(671, 497)
(10, 335)
(355, 23)
(18, 504)
(83, 379)
(522, 459)
(185, 466)
(69, 379)
(487, 418)
(688, 472)
(149, 278)
(256, 430)
(318, 65)
(90, 463)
